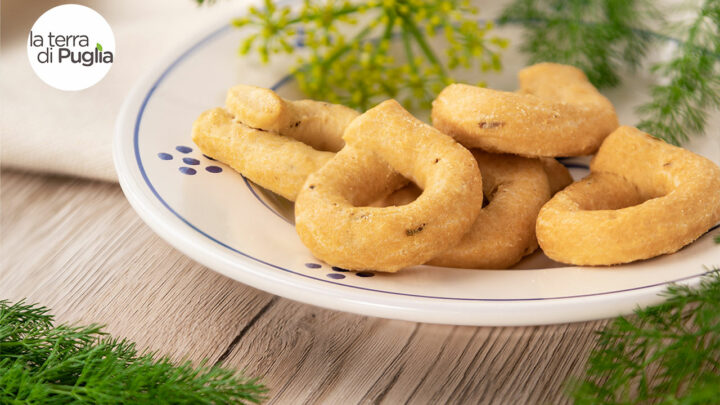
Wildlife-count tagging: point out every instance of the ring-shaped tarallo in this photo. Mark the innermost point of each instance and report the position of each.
(557, 112)
(643, 198)
(331, 213)
(276, 143)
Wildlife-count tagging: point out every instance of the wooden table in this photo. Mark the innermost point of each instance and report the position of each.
(77, 247)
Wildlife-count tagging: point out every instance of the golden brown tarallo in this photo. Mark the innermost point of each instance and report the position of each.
(504, 232)
(315, 123)
(643, 198)
(515, 189)
(557, 112)
(274, 142)
(385, 143)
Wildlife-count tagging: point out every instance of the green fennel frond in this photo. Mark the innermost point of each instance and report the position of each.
(667, 353)
(46, 364)
(598, 36)
(680, 107)
(603, 36)
(388, 54)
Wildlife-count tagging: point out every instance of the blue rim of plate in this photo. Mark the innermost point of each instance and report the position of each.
(136, 131)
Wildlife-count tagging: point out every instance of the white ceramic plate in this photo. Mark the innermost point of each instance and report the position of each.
(223, 221)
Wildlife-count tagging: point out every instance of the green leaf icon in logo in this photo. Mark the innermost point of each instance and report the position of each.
(99, 47)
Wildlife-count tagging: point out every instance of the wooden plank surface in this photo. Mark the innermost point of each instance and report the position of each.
(77, 247)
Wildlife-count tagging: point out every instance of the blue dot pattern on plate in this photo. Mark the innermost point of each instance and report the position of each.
(189, 161)
(338, 276)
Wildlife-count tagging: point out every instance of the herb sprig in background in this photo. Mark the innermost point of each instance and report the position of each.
(362, 69)
(679, 108)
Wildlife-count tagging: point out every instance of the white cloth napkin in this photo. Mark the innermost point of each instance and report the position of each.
(47, 130)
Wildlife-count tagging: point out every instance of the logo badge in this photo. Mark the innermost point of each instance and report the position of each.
(71, 47)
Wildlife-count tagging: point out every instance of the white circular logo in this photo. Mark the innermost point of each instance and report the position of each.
(71, 47)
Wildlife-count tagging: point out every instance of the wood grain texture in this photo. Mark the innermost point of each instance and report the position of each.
(79, 248)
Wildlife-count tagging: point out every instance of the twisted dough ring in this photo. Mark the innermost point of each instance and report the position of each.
(315, 123)
(557, 112)
(643, 198)
(333, 224)
(274, 142)
(504, 231)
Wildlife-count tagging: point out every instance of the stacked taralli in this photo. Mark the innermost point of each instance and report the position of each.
(384, 191)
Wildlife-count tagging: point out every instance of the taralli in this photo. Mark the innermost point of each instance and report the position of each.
(314, 123)
(383, 191)
(557, 112)
(504, 232)
(557, 174)
(330, 216)
(642, 199)
(273, 142)
(277, 163)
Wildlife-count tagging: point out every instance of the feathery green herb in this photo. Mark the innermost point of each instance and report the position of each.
(603, 36)
(46, 364)
(667, 353)
(362, 69)
(597, 36)
(680, 108)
